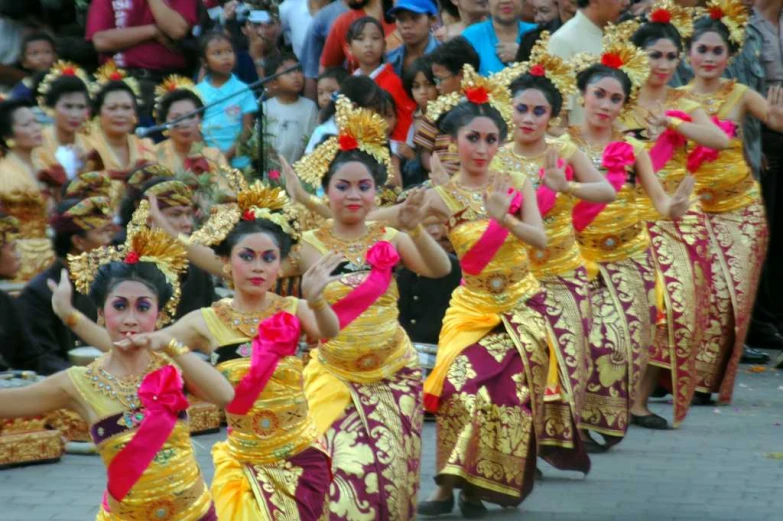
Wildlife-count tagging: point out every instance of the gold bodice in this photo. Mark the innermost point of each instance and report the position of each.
(172, 486)
(725, 184)
(279, 424)
(168, 157)
(618, 232)
(506, 281)
(561, 254)
(44, 156)
(374, 346)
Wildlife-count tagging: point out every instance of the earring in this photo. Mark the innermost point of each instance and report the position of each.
(101, 321)
(10, 143)
(228, 276)
(581, 101)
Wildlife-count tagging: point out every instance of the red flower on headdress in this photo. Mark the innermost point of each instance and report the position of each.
(69, 71)
(661, 16)
(274, 175)
(477, 95)
(132, 257)
(612, 61)
(347, 142)
(115, 76)
(537, 70)
(716, 13)
(249, 215)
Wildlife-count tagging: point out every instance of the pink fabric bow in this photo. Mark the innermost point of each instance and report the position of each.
(701, 154)
(618, 155)
(382, 257)
(670, 140)
(547, 197)
(162, 399)
(484, 250)
(277, 338)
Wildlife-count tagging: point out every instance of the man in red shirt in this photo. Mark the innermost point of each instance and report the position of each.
(141, 36)
(335, 53)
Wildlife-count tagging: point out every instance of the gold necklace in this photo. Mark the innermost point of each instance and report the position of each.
(594, 152)
(354, 250)
(123, 390)
(529, 165)
(247, 322)
(712, 102)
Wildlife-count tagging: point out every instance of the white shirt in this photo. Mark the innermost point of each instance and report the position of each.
(295, 18)
(290, 125)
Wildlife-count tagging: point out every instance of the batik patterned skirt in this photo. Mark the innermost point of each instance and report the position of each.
(681, 255)
(738, 241)
(622, 300)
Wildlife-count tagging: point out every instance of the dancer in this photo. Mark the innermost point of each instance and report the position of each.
(615, 243)
(728, 194)
(132, 398)
(364, 386)
(562, 175)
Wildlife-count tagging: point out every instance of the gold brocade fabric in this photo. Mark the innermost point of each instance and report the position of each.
(561, 254)
(172, 487)
(278, 425)
(44, 156)
(617, 232)
(168, 157)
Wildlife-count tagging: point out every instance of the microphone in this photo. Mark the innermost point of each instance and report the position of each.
(143, 132)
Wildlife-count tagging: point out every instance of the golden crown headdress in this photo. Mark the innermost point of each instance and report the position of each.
(60, 69)
(170, 84)
(669, 12)
(255, 201)
(475, 89)
(734, 15)
(358, 128)
(109, 72)
(172, 193)
(9, 228)
(543, 64)
(88, 184)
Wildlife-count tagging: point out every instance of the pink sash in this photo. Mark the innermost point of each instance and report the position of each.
(670, 140)
(617, 156)
(277, 337)
(479, 255)
(702, 154)
(545, 196)
(382, 257)
(162, 399)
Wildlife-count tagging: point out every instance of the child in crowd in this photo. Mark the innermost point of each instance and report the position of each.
(37, 55)
(328, 83)
(230, 122)
(290, 117)
(415, 20)
(420, 85)
(367, 45)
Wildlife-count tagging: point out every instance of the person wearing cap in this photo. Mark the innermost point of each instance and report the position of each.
(263, 32)
(415, 19)
(496, 40)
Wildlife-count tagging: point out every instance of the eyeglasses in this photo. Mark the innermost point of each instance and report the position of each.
(438, 80)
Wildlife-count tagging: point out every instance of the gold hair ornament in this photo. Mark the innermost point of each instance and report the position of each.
(734, 15)
(60, 69)
(9, 229)
(543, 64)
(669, 12)
(109, 72)
(170, 84)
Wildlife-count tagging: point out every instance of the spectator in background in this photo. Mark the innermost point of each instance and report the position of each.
(497, 40)
(37, 55)
(566, 9)
(470, 12)
(336, 52)
(420, 85)
(263, 35)
(141, 36)
(295, 19)
(414, 19)
(544, 11)
(11, 33)
(290, 117)
(328, 84)
(314, 43)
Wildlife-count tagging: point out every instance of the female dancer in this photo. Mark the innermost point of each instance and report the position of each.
(132, 398)
(364, 386)
(185, 150)
(20, 192)
(679, 248)
(488, 383)
(615, 243)
(64, 151)
(562, 175)
(728, 194)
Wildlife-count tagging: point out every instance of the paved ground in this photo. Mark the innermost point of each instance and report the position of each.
(716, 467)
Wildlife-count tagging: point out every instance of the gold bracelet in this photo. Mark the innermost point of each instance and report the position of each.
(184, 239)
(508, 221)
(314, 201)
(319, 304)
(673, 123)
(176, 348)
(415, 232)
(72, 319)
(572, 186)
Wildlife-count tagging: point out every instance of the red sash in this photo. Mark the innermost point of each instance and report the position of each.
(481, 253)
(162, 399)
(670, 140)
(702, 154)
(277, 337)
(382, 257)
(617, 156)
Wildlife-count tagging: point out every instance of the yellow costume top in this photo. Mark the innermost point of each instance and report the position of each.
(618, 232)
(168, 156)
(372, 347)
(44, 156)
(172, 487)
(726, 184)
(279, 424)
(20, 196)
(561, 254)
(672, 174)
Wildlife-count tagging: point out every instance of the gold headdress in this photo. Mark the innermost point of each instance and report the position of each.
(87, 214)
(171, 193)
(144, 173)
(60, 69)
(109, 72)
(541, 63)
(256, 201)
(734, 15)
(170, 84)
(669, 12)
(88, 184)
(475, 89)
(358, 128)
(9, 228)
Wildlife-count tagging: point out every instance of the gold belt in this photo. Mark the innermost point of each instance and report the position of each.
(614, 246)
(271, 419)
(371, 361)
(726, 199)
(161, 509)
(561, 257)
(497, 282)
